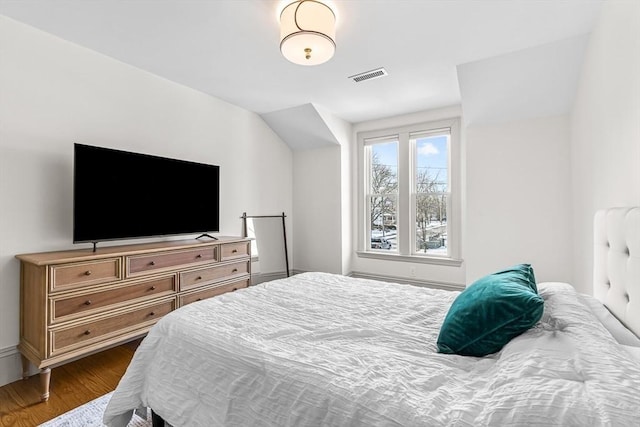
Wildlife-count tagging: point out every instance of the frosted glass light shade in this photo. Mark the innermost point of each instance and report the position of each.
(307, 32)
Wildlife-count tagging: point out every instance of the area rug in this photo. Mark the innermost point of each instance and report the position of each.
(90, 415)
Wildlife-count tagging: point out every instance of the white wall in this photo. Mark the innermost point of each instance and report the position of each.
(605, 126)
(518, 198)
(342, 131)
(317, 224)
(321, 200)
(54, 93)
(347, 154)
(399, 269)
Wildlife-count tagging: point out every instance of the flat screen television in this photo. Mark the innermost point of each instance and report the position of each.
(125, 195)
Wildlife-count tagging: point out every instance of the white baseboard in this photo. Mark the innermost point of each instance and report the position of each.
(10, 365)
(447, 286)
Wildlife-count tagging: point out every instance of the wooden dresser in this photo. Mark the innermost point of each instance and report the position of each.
(77, 302)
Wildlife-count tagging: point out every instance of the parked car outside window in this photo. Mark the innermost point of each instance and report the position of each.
(380, 243)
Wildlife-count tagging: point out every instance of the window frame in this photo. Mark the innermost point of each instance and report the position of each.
(367, 184)
(406, 210)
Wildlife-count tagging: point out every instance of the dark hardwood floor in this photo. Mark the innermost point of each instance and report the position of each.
(72, 385)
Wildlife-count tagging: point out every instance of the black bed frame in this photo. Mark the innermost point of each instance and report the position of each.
(156, 420)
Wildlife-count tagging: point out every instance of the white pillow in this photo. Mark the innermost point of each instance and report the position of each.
(623, 335)
(635, 351)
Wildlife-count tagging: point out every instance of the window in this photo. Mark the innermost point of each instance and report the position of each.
(409, 193)
(382, 193)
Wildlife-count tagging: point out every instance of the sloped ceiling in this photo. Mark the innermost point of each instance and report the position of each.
(301, 127)
(230, 49)
(535, 82)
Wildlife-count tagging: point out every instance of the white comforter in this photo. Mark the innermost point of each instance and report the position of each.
(326, 350)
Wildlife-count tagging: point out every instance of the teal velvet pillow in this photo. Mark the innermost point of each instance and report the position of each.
(520, 273)
(490, 312)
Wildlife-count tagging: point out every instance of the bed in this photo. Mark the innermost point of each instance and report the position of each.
(320, 349)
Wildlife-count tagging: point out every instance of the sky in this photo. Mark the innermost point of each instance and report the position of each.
(432, 154)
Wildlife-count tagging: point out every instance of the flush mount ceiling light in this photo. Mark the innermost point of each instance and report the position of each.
(307, 32)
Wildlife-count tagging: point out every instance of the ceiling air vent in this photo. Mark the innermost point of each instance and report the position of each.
(368, 75)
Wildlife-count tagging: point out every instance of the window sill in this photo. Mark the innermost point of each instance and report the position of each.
(452, 262)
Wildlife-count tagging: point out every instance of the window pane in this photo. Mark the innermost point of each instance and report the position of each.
(383, 176)
(432, 161)
(383, 190)
(432, 187)
(431, 224)
(383, 211)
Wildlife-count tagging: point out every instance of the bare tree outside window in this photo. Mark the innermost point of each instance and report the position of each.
(431, 194)
(429, 208)
(383, 182)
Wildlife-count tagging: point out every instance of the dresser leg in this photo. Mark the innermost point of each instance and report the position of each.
(45, 376)
(25, 367)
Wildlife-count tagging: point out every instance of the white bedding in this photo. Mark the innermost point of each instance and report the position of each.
(326, 350)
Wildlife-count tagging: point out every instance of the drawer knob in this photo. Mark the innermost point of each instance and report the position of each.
(87, 302)
(152, 263)
(198, 256)
(153, 288)
(199, 278)
(234, 251)
(234, 270)
(153, 313)
(87, 273)
(87, 332)
(199, 299)
(234, 289)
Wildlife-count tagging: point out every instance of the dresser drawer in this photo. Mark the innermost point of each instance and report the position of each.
(71, 276)
(143, 264)
(211, 292)
(204, 276)
(82, 335)
(231, 251)
(70, 307)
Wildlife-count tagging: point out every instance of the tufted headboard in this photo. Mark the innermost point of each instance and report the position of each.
(616, 263)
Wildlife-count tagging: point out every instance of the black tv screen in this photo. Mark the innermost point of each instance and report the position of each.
(125, 195)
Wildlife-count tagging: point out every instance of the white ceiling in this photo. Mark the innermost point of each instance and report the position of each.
(535, 82)
(230, 48)
(301, 127)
